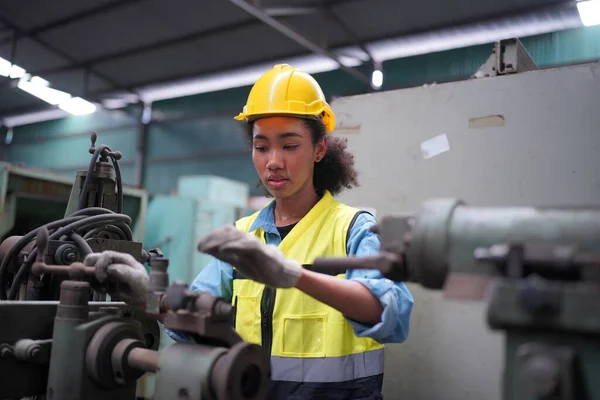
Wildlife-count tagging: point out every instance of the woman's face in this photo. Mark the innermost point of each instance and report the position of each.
(284, 155)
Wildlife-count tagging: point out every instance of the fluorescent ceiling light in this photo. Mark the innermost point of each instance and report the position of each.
(4, 67)
(36, 80)
(11, 70)
(39, 88)
(589, 12)
(312, 64)
(77, 106)
(16, 72)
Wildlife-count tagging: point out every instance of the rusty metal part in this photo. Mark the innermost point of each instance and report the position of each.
(106, 361)
(143, 359)
(158, 283)
(242, 373)
(33, 351)
(239, 373)
(391, 265)
(208, 318)
(33, 320)
(73, 300)
(8, 244)
(122, 370)
(74, 271)
(178, 380)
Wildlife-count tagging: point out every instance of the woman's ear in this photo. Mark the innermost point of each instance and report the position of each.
(320, 149)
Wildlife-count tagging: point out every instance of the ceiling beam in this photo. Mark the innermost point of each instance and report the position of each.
(349, 32)
(298, 38)
(190, 37)
(65, 55)
(92, 12)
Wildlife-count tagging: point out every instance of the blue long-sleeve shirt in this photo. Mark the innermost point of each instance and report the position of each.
(217, 279)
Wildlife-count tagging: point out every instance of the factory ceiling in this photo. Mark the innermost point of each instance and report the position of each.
(122, 49)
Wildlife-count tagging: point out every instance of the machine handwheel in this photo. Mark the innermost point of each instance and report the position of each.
(243, 373)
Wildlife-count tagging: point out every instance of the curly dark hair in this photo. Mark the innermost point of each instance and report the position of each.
(335, 172)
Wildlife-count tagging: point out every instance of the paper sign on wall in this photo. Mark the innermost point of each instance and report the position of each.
(435, 146)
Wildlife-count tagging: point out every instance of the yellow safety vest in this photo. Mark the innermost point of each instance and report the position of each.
(308, 340)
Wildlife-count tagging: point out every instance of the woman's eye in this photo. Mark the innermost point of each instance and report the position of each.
(260, 148)
(290, 146)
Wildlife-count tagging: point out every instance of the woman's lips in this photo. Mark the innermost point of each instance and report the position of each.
(277, 183)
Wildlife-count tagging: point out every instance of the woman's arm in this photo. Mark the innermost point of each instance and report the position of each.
(374, 306)
(351, 298)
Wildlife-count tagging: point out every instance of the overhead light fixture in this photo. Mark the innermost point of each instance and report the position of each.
(589, 12)
(77, 106)
(17, 72)
(39, 88)
(5, 67)
(377, 76)
(9, 70)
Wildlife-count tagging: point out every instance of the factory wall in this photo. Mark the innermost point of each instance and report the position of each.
(196, 135)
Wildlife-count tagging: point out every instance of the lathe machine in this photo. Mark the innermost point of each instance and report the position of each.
(61, 337)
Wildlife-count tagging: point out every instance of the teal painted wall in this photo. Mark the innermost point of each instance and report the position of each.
(197, 135)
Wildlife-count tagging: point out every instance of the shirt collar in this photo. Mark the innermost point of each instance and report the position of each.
(266, 216)
(265, 219)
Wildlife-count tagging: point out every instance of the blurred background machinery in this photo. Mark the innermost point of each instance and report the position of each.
(536, 268)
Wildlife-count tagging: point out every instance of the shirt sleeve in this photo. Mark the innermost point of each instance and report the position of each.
(217, 279)
(395, 297)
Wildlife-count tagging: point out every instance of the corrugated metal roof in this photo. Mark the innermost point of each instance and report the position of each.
(93, 47)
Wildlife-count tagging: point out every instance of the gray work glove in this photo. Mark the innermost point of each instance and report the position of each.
(263, 263)
(127, 279)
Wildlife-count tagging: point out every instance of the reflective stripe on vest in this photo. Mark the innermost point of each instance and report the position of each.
(308, 340)
(327, 369)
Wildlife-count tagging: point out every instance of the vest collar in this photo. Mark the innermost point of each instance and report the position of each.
(266, 217)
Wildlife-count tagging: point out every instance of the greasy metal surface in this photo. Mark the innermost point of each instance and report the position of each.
(552, 306)
(538, 361)
(242, 373)
(68, 377)
(207, 318)
(99, 362)
(158, 282)
(35, 320)
(445, 237)
(176, 380)
(143, 359)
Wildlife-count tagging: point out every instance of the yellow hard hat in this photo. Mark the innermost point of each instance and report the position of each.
(287, 91)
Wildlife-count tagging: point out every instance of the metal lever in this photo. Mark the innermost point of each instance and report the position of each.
(390, 264)
(105, 152)
(75, 271)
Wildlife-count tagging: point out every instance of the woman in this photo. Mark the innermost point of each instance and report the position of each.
(324, 333)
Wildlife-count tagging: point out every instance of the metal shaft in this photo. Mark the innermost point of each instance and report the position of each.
(143, 359)
(446, 234)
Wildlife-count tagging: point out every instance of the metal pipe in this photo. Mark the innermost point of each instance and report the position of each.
(143, 359)
(298, 38)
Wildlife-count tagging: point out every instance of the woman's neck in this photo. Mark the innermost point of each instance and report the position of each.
(292, 209)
